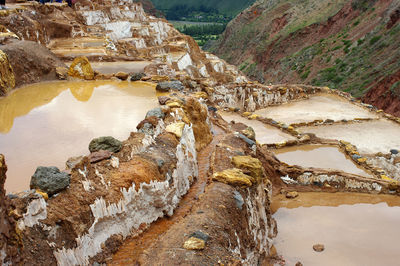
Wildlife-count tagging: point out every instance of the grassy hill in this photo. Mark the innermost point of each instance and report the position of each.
(353, 45)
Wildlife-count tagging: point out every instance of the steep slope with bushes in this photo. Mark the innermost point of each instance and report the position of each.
(353, 46)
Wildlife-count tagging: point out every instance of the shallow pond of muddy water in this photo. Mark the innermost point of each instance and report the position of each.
(319, 156)
(46, 123)
(265, 134)
(369, 137)
(123, 66)
(356, 229)
(324, 106)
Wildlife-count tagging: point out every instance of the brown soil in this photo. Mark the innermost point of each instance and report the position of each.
(31, 62)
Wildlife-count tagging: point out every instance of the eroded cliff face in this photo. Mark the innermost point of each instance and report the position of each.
(346, 45)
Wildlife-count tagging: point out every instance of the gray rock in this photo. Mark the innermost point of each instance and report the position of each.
(356, 156)
(169, 85)
(200, 235)
(238, 199)
(137, 76)
(49, 180)
(157, 112)
(394, 151)
(105, 143)
(247, 140)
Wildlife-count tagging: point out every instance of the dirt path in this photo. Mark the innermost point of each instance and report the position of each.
(130, 251)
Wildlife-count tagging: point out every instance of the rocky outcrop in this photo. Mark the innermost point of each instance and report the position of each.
(7, 80)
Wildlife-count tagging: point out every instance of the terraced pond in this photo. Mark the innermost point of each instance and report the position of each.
(356, 229)
(45, 124)
(319, 156)
(265, 134)
(324, 106)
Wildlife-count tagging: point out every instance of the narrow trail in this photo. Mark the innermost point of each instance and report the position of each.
(130, 251)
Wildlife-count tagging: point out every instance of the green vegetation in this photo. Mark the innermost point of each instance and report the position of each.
(374, 40)
(202, 33)
(228, 8)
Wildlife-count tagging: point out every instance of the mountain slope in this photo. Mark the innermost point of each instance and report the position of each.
(349, 45)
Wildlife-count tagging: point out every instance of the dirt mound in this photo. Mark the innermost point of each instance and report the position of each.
(31, 62)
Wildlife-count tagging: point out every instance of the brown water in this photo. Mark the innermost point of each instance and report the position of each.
(319, 156)
(369, 137)
(356, 229)
(323, 107)
(46, 123)
(114, 67)
(265, 134)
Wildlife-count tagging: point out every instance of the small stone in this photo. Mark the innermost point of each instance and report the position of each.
(319, 247)
(100, 155)
(356, 156)
(200, 235)
(299, 264)
(249, 165)
(122, 75)
(137, 76)
(194, 243)
(49, 180)
(105, 143)
(234, 177)
(61, 73)
(43, 194)
(249, 132)
(362, 160)
(212, 108)
(394, 151)
(176, 128)
(163, 100)
(73, 161)
(292, 194)
(157, 112)
(247, 140)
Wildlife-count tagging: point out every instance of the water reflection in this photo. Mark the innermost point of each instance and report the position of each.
(359, 230)
(44, 124)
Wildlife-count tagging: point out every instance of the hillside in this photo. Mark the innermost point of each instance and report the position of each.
(348, 45)
(226, 7)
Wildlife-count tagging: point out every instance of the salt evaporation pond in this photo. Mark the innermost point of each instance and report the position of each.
(318, 107)
(369, 137)
(319, 156)
(356, 229)
(46, 123)
(123, 66)
(265, 134)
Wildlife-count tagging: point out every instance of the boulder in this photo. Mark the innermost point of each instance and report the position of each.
(250, 166)
(81, 68)
(166, 86)
(105, 143)
(176, 128)
(234, 177)
(7, 79)
(157, 112)
(49, 180)
(137, 76)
